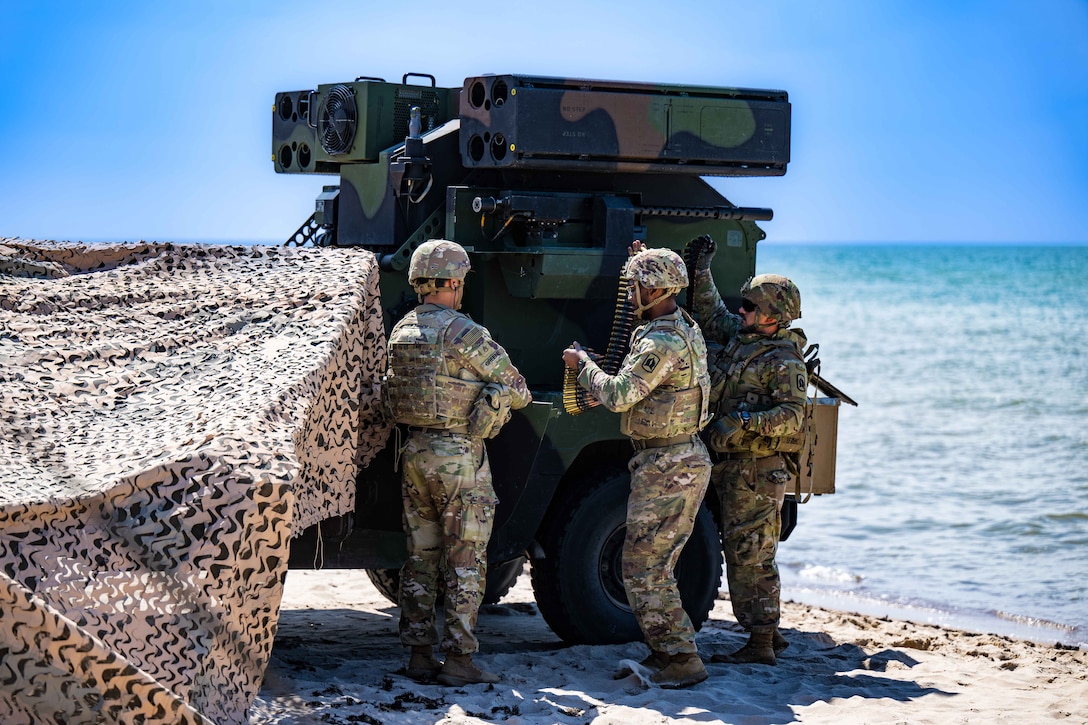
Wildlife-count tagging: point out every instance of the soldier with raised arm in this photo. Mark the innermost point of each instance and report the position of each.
(759, 381)
(453, 386)
(662, 391)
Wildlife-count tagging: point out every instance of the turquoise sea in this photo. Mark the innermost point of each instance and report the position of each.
(962, 477)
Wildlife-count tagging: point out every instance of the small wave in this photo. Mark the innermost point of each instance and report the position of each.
(1068, 516)
(828, 574)
(1033, 621)
(914, 610)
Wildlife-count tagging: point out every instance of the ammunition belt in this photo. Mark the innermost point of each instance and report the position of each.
(576, 399)
(662, 442)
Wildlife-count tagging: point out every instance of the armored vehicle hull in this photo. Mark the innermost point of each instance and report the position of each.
(545, 182)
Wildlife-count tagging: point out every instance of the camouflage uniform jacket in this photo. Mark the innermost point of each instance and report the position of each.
(663, 386)
(762, 374)
(434, 348)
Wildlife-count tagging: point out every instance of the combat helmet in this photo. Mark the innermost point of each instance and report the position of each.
(775, 296)
(658, 269)
(436, 259)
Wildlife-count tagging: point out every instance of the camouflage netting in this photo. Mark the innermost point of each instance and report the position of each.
(172, 415)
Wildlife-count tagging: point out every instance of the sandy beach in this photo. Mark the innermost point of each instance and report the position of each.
(337, 659)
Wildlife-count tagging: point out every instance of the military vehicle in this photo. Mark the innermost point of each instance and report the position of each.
(546, 182)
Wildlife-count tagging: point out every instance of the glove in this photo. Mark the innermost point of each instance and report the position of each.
(706, 251)
(725, 433)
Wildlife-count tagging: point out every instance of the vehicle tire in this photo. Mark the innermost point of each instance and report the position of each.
(500, 580)
(579, 582)
(386, 581)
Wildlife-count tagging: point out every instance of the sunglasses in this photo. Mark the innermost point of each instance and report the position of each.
(748, 306)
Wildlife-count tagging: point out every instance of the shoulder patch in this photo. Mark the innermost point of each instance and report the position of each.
(800, 382)
(650, 362)
(466, 333)
(470, 337)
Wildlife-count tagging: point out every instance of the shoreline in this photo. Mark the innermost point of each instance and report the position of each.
(998, 623)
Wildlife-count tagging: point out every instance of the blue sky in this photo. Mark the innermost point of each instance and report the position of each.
(913, 120)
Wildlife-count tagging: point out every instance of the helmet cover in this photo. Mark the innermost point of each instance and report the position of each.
(438, 259)
(658, 269)
(775, 296)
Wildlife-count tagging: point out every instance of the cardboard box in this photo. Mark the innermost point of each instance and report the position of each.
(818, 472)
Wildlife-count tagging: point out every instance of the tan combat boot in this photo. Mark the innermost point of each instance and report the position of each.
(461, 670)
(683, 670)
(422, 665)
(654, 661)
(759, 650)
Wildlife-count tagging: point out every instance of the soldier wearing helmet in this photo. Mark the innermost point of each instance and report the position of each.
(661, 391)
(775, 296)
(655, 269)
(453, 386)
(435, 261)
(759, 381)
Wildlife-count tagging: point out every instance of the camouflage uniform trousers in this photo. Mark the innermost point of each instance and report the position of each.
(449, 508)
(667, 487)
(751, 492)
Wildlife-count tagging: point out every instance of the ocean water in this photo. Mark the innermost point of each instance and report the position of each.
(962, 476)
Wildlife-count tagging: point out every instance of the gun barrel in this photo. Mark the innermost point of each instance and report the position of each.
(828, 389)
(723, 213)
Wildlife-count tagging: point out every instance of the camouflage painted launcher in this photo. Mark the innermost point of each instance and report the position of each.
(527, 122)
(577, 399)
(315, 131)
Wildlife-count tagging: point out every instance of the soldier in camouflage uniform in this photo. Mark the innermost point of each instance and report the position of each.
(452, 385)
(759, 381)
(662, 390)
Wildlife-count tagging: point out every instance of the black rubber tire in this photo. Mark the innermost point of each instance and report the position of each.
(579, 584)
(500, 579)
(386, 581)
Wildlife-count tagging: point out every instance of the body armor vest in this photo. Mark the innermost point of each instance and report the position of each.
(419, 390)
(736, 391)
(669, 411)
